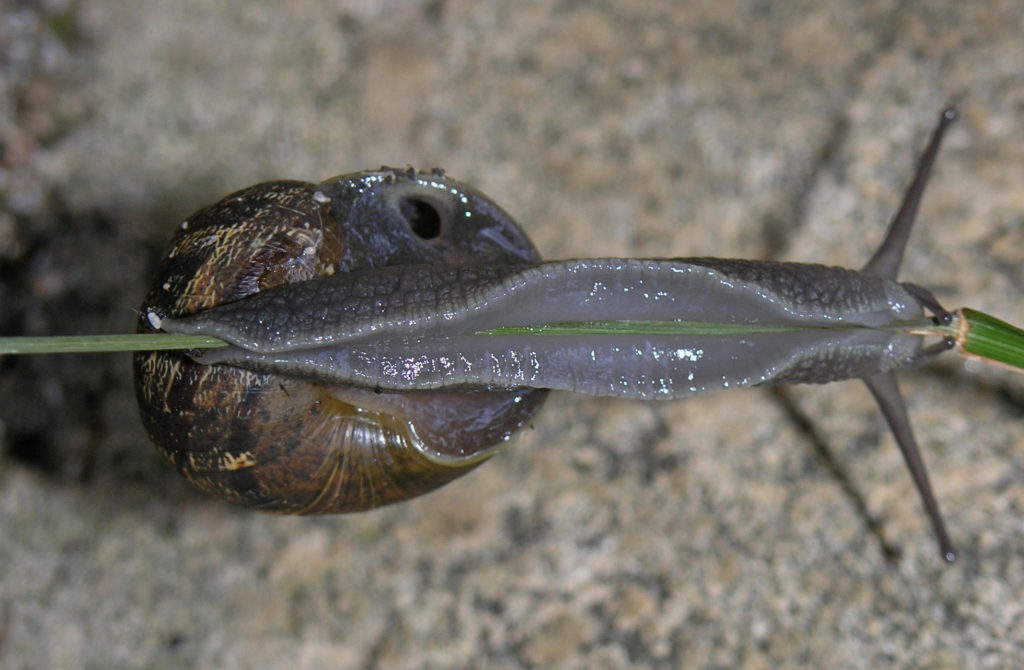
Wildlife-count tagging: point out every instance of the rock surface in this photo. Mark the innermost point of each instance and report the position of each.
(749, 529)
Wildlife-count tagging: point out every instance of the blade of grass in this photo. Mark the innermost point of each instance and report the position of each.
(80, 344)
(983, 336)
(637, 328)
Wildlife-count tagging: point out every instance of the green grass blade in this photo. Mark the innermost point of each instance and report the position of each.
(637, 328)
(83, 344)
(987, 337)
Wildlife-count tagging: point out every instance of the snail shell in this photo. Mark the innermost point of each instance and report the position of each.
(281, 444)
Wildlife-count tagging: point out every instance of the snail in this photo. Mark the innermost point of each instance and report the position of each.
(388, 330)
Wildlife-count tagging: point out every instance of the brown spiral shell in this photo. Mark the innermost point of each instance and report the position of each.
(288, 445)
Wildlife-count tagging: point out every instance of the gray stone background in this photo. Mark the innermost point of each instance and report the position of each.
(750, 529)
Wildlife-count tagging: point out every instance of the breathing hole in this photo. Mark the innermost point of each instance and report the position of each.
(423, 217)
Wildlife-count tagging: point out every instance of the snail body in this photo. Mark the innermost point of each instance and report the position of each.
(387, 331)
(416, 327)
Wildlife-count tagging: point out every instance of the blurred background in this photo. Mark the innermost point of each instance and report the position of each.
(748, 529)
